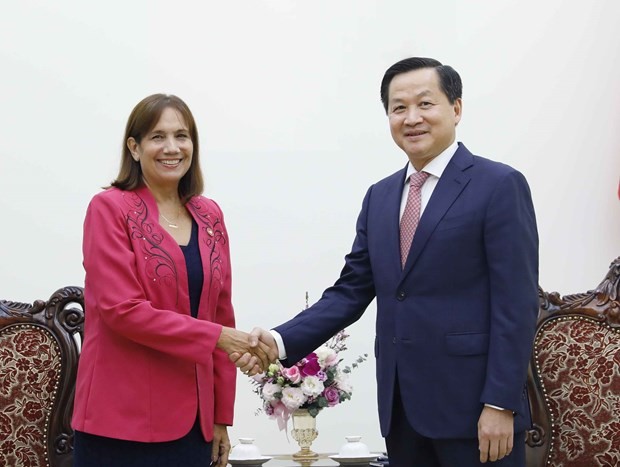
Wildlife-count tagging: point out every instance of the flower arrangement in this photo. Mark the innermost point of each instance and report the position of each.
(314, 383)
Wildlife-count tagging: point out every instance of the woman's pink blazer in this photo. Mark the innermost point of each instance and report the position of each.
(147, 366)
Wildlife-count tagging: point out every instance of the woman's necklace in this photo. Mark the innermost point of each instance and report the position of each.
(173, 225)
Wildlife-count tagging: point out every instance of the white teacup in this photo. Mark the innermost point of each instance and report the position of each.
(354, 448)
(246, 449)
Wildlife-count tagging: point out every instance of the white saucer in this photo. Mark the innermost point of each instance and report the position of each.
(259, 461)
(354, 460)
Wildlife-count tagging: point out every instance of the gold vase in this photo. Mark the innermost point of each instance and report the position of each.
(304, 432)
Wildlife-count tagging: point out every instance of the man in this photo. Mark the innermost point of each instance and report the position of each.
(456, 316)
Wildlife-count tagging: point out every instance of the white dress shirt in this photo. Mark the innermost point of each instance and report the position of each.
(435, 169)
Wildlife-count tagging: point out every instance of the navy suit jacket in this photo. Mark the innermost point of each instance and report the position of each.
(455, 327)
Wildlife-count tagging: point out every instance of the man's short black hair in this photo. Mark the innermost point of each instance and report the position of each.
(449, 79)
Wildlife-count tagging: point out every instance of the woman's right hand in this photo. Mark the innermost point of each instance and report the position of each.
(233, 341)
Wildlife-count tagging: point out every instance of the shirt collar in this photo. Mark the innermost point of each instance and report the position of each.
(436, 166)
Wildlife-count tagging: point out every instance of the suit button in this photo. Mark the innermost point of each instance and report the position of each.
(401, 296)
(393, 340)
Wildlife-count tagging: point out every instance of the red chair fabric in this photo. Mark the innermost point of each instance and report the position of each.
(29, 375)
(39, 351)
(578, 362)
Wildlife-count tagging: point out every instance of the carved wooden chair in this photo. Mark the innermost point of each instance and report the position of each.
(39, 350)
(574, 380)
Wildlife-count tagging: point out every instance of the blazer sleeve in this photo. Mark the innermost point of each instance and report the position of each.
(511, 246)
(114, 288)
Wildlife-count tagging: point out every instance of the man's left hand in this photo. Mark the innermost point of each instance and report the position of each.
(495, 434)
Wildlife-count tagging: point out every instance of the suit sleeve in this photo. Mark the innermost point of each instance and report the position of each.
(114, 289)
(511, 245)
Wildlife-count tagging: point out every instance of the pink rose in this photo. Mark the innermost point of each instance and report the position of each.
(332, 395)
(292, 374)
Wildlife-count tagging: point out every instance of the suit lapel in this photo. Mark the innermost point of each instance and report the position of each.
(450, 185)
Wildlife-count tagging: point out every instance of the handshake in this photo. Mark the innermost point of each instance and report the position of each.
(251, 353)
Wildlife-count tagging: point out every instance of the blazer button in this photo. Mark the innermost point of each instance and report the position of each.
(393, 340)
(401, 296)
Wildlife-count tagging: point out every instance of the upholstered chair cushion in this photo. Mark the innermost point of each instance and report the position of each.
(577, 361)
(29, 375)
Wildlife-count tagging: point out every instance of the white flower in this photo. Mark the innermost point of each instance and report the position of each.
(327, 356)
(312, 386)
(270, 390)
(293, 398)
(342, 381)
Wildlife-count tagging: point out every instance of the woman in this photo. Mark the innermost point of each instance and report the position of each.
(155, 386)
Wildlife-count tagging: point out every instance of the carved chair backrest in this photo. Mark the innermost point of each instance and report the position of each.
(39, 351)
(574, 380)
